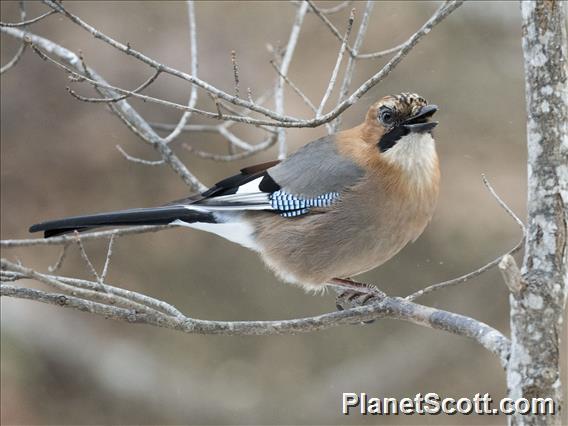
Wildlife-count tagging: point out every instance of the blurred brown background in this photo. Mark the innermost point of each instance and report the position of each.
(58, 158)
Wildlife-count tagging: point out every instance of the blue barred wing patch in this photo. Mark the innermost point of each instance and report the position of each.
(289, 205)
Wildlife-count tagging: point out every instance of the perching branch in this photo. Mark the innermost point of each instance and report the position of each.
(393, 308)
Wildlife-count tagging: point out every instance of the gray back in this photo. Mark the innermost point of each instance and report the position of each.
(316, 169)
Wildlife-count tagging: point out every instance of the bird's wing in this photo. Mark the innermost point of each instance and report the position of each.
(314, 176)
(316, 169)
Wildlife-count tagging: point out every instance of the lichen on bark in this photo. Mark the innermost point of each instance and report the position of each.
(537, 309)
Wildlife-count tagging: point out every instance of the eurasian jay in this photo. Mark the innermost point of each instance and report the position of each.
(339, 206)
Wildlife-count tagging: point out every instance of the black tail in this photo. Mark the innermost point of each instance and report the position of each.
(148, 216)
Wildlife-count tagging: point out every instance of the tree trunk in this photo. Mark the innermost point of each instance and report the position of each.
(537, 308)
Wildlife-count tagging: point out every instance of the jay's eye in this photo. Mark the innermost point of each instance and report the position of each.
(386, 117)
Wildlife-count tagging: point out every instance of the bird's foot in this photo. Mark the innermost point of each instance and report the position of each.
(353, 294)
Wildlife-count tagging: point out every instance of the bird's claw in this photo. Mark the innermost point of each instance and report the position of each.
(350, 299)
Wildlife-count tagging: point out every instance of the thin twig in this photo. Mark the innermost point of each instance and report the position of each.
(107, 259)
(194, 67)
(335, 71)
(262, 146)
(289, 122)
(85, 257)
(380, 53)
(337, 8)
(66, 239)
(328, 23)
(217, 103)
(295, 88)
(503, 204)
(350, 67)
(353, 51)
(142, 299)
(234, 140)
(330, 10)
(235, 71)
(266, 96)
(279, 92)
(125, 48)
(60, 260)
(486, 267)
(187, 128)
(22, 48)
(276, 119)
(139, 160)
(95, 292)
(24, 23)
(129, 93)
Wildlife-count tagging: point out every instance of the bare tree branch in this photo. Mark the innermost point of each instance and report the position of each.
(279, 92)
(127, 49)
(537, 311)
(96, 291)
(278, 120)
(394, 308)
(194, 67)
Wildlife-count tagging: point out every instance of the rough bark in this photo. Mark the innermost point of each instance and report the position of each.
(537, 308)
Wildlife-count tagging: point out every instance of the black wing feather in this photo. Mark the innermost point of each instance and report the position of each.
(231, 184)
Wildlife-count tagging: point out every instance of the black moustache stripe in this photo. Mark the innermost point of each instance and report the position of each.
(388, 140)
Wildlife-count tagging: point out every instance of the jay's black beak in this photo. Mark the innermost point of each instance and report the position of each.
(420, 122)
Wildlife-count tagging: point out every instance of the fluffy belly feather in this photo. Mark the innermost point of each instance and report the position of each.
(310, 251)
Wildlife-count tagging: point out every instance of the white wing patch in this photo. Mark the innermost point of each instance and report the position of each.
(236, 232)
(250, 187)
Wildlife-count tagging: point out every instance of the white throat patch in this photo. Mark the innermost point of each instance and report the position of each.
(415, 153)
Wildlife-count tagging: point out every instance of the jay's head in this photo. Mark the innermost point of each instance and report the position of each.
(401, 119)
